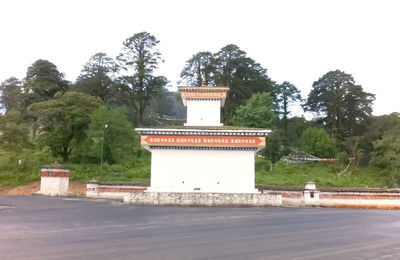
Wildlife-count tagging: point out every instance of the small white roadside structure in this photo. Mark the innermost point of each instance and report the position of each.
(54, 180)
(311, 194)
(203, 155)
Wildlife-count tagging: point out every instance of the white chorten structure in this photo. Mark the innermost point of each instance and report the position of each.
(203, 155)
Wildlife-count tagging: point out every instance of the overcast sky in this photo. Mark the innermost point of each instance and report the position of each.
(296, 41)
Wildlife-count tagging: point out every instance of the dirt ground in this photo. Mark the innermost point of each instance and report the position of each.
(76, 187)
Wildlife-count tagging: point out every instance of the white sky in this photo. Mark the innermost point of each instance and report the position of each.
(296, 41)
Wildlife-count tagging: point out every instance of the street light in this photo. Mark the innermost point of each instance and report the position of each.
(102, 146)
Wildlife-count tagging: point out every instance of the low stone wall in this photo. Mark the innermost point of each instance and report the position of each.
(134, 193)
(338, 197)
(205, 199)
(361, 199)
(113, 190)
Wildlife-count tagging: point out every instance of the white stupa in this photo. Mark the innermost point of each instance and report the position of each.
(203, 155)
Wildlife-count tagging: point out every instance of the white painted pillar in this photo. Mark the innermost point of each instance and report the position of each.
(92, 189)
(311, 194)
(54, 180)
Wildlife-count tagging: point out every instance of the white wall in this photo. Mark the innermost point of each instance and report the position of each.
(203, 113)
(54, 185)
(209, 170)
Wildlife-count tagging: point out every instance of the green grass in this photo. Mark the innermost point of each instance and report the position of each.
(13, 174)
(135, 171)
(324, 174)
(138, 170)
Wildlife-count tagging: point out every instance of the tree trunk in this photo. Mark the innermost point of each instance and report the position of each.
(65, 154)
(139, 119)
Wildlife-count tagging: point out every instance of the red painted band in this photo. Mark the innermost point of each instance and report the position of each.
(55, 174)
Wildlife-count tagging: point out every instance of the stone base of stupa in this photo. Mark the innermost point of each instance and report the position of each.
(204, 199)
(54, 193)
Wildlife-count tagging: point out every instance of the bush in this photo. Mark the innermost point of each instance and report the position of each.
(317, 142)
(17, 169)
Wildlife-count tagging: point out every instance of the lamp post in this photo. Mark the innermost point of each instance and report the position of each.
(102, 146)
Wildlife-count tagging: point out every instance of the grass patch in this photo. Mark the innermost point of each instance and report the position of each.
(138, 170)
(324, 174)
(135, 171)
(22, 168)
(13, 173)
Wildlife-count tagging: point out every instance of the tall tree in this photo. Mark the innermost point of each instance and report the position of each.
(63, 120)
(42, 82)
(140, 57)
(10, 94)
(126, 92)
(96, 76)
(285, 94)
(242, 74)
(344, 106)
(200, 65)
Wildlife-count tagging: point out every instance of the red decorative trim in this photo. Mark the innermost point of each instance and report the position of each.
(358, 197)
(187, 94)
(55, 174)
(291, 195)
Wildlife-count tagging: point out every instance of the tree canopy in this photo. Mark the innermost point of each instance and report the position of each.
(200, 65)
(386, 154)
(63, 120)
(43, 81)
(117, 131)
(228, 67)
(96, 76)
(258, 112)
(14, 134)
(10, 93)
(140, 57)
(317, 142)
(343, 106)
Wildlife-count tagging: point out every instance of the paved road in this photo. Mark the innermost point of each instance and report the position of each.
(36, 227)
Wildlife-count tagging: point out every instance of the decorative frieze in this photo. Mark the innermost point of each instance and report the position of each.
(202, 141)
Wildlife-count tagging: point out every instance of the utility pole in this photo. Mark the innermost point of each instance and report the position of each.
(102, 146)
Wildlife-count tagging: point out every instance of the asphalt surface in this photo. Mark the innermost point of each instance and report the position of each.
(36, 227)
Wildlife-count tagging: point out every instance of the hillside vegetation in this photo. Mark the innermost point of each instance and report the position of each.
(88, 124)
